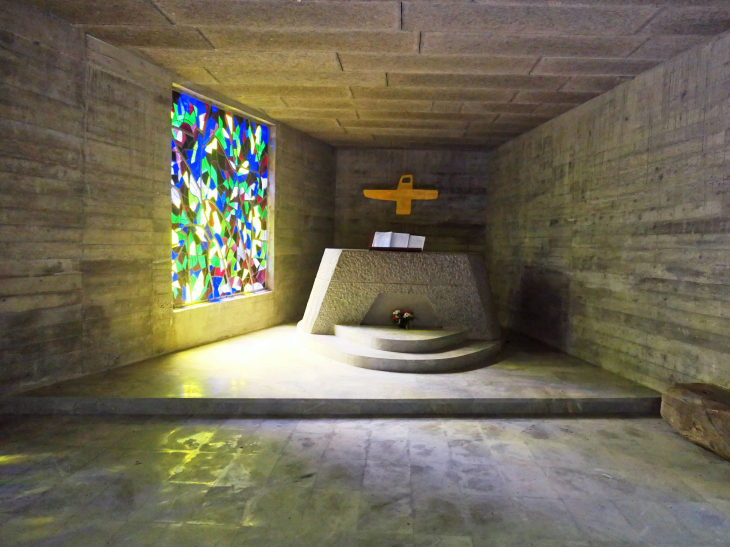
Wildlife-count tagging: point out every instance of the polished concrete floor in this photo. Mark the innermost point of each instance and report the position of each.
(272, 364)
(127, 482)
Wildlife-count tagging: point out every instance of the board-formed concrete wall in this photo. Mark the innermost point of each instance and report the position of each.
(85, 280)
(454, 222)
(609, 227)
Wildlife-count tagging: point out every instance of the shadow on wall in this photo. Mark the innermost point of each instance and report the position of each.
(540, 306)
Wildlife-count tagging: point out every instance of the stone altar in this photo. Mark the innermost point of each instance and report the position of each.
(349, 282)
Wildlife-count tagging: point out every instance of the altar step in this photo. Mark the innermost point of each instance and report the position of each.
(396, 350)
(400, 340)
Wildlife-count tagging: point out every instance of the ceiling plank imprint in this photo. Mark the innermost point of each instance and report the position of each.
(418, 73)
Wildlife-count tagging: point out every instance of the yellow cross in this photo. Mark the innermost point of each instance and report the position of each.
(403, 195)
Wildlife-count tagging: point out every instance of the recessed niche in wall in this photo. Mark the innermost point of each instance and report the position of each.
(380, 313)
(220, 176)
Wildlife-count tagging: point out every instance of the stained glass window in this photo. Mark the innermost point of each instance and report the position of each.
(219, 193)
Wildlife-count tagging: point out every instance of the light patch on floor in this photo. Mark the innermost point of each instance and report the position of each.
(451, 483)
(273, 364)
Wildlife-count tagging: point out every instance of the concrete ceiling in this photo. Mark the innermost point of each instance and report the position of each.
(404, 74)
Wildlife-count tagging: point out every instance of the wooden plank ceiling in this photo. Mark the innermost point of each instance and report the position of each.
(404, 74)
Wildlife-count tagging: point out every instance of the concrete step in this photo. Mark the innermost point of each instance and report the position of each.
(466, 355)
(401, 340)
(500, 407)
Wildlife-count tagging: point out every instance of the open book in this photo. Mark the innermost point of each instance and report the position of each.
(394, 240)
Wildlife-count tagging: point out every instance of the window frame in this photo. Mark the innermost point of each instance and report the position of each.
(233, 107)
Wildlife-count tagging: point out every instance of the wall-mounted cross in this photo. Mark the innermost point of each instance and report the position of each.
(403, 195)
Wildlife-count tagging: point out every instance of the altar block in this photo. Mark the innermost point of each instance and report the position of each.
(349, 282)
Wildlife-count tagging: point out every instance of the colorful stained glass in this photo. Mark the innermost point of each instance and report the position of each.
(219, 193)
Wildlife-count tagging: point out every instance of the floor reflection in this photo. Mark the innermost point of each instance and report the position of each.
(152, 481)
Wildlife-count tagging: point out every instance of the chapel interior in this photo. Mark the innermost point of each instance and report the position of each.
(220, 322)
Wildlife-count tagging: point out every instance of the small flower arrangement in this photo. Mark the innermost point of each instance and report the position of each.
(403, 318)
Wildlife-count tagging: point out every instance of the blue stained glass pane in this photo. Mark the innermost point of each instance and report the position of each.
(213, 153)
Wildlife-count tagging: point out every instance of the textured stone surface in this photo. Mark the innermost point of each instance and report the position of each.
(535, 19)
(423, 120)
(288, 74)
(401, 51)
(690, 20)
(101, 12)
(224, 37)
(407, 268)
(362, 104)
(226, 63)
(307, 15)
(343, 294)
(604, 67)
(301, 113)
(666, 47)
(595, 84)
(608, 226)
(507, 81)
(471, 107)
(153, 36)
(437, 63)
(404, 95)
(701, 413)
(434, 43)
(552, 97)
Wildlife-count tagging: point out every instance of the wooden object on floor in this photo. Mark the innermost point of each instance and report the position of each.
(700, 412)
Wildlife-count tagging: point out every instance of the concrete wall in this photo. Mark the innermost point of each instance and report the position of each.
(453, 222)
(609, 227)
(85, 280)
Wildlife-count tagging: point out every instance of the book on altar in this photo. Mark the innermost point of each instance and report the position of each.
(395, 240)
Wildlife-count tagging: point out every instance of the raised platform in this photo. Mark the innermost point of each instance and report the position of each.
(269, 373)
(397, 350)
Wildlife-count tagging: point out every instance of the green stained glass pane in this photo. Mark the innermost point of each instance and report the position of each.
(210, 186)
